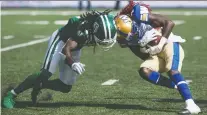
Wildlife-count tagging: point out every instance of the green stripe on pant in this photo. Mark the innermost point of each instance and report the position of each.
(51, 48)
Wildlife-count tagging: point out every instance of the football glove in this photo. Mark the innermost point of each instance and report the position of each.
(158, 48)
(148, 36)
(78, 67)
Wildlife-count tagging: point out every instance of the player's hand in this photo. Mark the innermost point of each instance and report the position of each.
(148, 36)
(78, 67)
(158, 48)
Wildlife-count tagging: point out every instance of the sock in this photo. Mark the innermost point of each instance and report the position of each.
(57, 85)
(189, 102)
(182, 86)
(158, 79)
(26, 84)
(13, 92)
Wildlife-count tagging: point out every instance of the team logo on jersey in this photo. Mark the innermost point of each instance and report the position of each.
(95, 26)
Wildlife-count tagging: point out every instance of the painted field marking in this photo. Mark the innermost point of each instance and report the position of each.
(8, 37)
(60, 22)
(197, 37)
(40, 36)
(178, 22)
(110, 82)
(44, 22)
(24, 44)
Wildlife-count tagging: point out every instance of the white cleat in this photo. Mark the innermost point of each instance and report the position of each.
(191, 110)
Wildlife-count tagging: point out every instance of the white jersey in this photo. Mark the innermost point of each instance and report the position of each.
(138, 32)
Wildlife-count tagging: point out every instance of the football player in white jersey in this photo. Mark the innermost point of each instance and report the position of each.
(135, 26)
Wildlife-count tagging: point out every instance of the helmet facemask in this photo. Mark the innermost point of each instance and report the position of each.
(104, 31)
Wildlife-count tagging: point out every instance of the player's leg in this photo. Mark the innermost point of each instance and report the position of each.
(67, 76)
(8, 100)
(50, 65)
(174, 55)
(64, 84)
(149, 70)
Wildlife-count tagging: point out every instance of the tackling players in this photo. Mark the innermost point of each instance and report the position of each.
(166, 56)
(64, 50)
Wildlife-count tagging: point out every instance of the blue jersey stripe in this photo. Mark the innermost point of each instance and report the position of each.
(136, 13)
(176, 56)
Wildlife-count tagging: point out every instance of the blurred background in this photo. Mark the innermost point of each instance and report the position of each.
(27, 25)
(82, 4)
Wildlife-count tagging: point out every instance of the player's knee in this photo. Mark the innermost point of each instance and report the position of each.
(45, 75)
(173, 72)
(45, 72)
(42, 77)
(144, 72)
(67, 89)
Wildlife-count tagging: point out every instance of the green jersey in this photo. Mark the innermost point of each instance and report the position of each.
(71, 31)
(91, 29)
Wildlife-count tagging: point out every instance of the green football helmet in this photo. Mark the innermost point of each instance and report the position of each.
(104, 31)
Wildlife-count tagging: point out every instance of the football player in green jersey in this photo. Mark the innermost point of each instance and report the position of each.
(64, 49)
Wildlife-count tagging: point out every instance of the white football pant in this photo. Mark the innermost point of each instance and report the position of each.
(53, 58)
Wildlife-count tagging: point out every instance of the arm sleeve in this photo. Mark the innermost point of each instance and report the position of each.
(140, 14)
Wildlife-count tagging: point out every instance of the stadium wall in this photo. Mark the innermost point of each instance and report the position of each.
(104, 4)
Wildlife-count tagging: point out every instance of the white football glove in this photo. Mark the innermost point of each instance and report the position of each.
(148, 36)
(78, 67)
(158, 48)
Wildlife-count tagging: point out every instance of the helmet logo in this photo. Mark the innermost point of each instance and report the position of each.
(125, 18)
(95, 26)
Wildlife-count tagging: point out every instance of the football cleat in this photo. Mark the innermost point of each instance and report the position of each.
(191, 110)
(8, 100)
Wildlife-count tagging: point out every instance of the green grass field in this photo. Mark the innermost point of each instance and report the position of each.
(129, 96)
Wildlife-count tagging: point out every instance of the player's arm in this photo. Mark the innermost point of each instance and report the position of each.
(157, 20)
(141, 14)
(68, 47)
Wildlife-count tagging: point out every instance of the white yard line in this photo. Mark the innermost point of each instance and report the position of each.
(24, 44)
(8, 37)
(42, 22)
(40, 36)
(110, 82)
(66, 13)
(60, 22)
(197, 37)
(178, 22)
